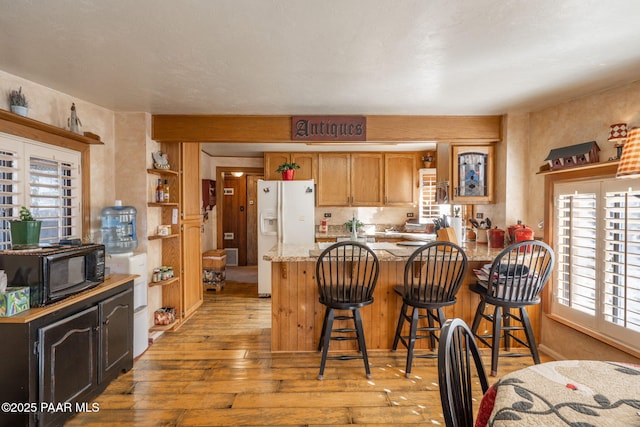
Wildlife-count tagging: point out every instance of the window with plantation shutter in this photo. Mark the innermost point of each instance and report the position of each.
(428, 207)
(597, 244)
(47, 180)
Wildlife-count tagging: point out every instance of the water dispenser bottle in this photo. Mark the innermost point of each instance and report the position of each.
(119, 228)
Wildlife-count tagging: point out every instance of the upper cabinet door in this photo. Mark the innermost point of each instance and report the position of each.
(400, 184)
(333, 179)
(472, 174)
(191, 182)
(307, 163)
(271, 163)
(367, 176)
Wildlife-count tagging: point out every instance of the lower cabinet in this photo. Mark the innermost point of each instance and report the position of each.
(55, 364)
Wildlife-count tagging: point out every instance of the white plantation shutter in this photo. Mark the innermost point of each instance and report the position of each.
(576, 251)
(9, 191)
(597, 244)
(428, 208)
(621, 301)
(44, 178)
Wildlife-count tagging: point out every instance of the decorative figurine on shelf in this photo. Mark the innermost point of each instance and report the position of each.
(160, 160)
(73, 121)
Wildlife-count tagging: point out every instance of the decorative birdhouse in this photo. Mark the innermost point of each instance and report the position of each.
(573, 155)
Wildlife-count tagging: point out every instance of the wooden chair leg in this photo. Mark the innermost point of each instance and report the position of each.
(506, 327)
(495, 342)
(324, 329)
(401, 319)
(361, 341)
(478, 317)
(531, 339)
(415, 316)
(326, 338)
(431, 325)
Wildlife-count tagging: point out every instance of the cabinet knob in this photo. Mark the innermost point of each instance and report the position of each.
(106, 322)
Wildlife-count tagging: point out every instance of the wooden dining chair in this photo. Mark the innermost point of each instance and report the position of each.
(432, 277)
(515, 280)
(457, 355)
(346, 274)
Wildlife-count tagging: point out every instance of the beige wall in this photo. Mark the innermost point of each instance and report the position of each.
(579, 120)
(117, 168)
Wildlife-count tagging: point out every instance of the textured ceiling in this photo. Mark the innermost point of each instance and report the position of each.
(422, 57)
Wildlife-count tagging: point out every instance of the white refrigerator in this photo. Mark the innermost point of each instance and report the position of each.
(285, 215)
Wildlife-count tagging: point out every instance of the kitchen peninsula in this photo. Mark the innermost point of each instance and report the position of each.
(297, 314)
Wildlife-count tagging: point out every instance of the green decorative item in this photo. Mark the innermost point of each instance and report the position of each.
(349, 224)
(287, 169)
(18, 102)
(25, 232)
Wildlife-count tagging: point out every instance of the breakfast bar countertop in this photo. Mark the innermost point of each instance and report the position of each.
(384, 250)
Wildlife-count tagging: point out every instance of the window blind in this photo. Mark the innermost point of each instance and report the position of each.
(621, 299)
(428, 208)
(44, 178)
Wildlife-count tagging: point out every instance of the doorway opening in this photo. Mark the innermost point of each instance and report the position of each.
(237, 212)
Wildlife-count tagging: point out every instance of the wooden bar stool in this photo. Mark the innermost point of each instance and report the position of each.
(432, 276)
(516, 277)
(346, 274)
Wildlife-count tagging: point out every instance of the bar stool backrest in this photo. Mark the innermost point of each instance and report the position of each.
(347, 273)
(520, 272)
(433, 274)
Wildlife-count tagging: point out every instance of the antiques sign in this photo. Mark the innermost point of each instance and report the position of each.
(328, 128)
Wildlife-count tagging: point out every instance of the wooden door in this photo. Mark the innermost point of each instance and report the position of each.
(400, 179)
(333, 179)
(367, 175)
(252, 219)
(192, 287)
(191, 228)
(234, 223)
(271, 163)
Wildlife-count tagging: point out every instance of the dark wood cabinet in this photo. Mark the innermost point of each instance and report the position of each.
(68, 352)
(65, 353)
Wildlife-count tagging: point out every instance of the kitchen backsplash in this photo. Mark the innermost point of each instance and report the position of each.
(378, 218)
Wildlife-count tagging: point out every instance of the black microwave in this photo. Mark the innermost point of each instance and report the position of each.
(54, 273)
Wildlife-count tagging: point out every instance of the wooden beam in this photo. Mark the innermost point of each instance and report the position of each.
(260, 129)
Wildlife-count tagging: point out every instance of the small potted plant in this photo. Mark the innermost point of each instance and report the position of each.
(25, 232)
(18, 102)
(287, 169)
(427, 159)
(349, 224)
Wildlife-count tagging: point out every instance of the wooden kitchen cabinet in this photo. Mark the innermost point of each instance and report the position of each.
(400, 179)
(472, 174)
(367, 179)
(190, 229)
(367, 174)
(346, 179)
(334, 179)
(182, 248)
(306, 161)
(68, 351)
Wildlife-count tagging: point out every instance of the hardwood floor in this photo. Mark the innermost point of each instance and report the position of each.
(217, 370)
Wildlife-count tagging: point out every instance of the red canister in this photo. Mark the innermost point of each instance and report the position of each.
(522, 232)
(495, 237)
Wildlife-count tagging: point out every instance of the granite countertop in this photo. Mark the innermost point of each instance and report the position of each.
(384, 250)
(334, 234)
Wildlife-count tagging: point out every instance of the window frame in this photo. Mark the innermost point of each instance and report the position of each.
(602, 170)
(48, 165)
(30, 129)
